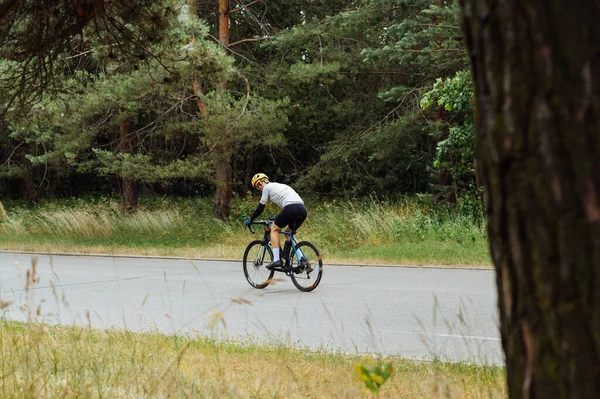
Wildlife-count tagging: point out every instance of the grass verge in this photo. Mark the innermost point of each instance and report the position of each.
(366, 232)
(68, 362)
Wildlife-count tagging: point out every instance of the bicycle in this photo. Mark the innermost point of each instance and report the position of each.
(303, 264)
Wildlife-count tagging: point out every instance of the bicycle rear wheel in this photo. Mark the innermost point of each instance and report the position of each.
(307, 272)
(256, 257)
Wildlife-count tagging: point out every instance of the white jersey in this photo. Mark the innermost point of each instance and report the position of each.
(280, 194)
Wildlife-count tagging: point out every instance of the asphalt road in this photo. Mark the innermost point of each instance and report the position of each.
(410, 312)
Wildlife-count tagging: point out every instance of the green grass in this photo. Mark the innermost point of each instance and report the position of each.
(40, 361)
(419, 253)
(368, 231)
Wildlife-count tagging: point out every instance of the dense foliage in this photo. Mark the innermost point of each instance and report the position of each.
(339, 98)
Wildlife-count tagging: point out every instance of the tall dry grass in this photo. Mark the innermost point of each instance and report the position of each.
(68, 362)
(92, 222)
(405, 231)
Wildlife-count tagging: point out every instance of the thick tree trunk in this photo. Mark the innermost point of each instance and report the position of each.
(129, 186)
(536, 66)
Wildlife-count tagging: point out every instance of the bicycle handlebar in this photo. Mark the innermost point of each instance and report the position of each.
(263, 222)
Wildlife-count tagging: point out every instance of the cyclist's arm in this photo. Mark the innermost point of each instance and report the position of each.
(259, 209)
(264, 199)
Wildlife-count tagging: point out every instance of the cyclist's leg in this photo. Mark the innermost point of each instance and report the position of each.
(292, 215)
(288, 214)
(276, 227)
(301, 214)
(293, 226)
(275, 232)
(297, 217)
(285, 253)
(288, 241)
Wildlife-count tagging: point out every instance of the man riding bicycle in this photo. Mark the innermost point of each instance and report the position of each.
(293, 213)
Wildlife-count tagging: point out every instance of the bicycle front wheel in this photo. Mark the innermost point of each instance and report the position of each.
(256, 258)
(307, 266)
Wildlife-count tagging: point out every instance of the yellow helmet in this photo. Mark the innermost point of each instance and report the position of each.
(258, 177)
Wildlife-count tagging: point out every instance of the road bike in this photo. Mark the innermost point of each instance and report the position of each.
(303, 264)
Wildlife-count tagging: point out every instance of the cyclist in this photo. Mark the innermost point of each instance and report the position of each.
(292, 215)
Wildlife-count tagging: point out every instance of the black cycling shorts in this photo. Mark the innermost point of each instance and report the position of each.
(292, 215)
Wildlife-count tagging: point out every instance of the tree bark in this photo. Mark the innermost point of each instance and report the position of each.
(223, 175)
(224, 33)
(201, 104)
(536, 68)
(29, 188)
(129, 186)
(248, 172)
(26, 181)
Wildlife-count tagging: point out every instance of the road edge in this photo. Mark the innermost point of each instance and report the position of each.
(455, 267)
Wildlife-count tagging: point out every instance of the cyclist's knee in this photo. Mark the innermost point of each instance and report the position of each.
(274, 227)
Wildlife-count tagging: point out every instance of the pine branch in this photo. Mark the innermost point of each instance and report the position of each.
(7, 162)
(249, 40)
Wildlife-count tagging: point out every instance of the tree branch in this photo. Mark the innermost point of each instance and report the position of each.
(248, 40)
(242, 8)
(7, 162)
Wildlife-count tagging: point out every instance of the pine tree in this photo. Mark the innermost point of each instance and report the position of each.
(140, 121)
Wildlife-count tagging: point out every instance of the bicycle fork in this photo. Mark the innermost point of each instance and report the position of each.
(260, 257)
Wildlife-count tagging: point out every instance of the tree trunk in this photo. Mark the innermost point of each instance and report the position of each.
(222, 155)
(224, 23)
(130, 194)
(201, 104)
(536, 68)
(248, 173)
(224, 178)
(29, 189)
(223, 152)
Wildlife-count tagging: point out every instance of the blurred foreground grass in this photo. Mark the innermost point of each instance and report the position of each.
(73, 362)
(410, 231)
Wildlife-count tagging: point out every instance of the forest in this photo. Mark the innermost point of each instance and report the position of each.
(340, 99)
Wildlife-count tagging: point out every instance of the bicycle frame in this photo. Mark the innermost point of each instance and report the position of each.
(293, 241)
